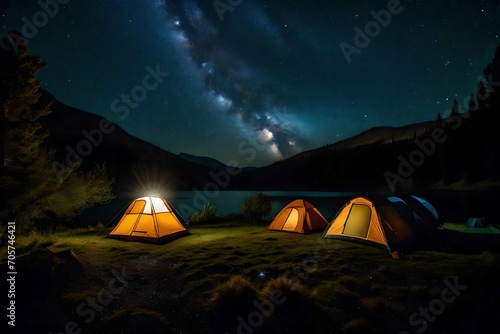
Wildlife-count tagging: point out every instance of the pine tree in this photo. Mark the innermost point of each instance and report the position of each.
(472, 103)
(29, 189)
(454, 109)
(439, 121)
(20, 127)
(492, 73)
(481, 94)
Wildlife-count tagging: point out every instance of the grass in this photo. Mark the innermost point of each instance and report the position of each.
(355, 287)
(32, 241)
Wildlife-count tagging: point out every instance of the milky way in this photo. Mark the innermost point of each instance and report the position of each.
(260, 106)
(263, 73)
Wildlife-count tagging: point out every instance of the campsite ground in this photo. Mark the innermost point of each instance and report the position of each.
(167, 288)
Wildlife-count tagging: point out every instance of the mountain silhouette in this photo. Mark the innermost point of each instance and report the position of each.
(134, 163)
(469, 154)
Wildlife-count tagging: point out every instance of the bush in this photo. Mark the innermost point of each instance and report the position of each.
(296, 310)
(208, 215)
(234, 290)
(98, 227)
(33, 241)
(290, 288)
(231, 299)
(254, 208)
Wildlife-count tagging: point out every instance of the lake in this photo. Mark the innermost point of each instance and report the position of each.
(229, 202)
(452, 205)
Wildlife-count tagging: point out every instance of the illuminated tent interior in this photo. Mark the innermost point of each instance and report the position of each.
(149, 219)
(298, 216)
(375, 221)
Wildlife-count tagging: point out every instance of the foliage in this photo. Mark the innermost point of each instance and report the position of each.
(254, 208)
(230, 299)
(492, 74)
(208, 215)
(297, 309)
(34, 240)
(236, 289)
(481, 94)
(454, 109)
(30, 190)
(289, 287)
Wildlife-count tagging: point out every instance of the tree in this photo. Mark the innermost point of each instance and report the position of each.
(472, 103)
(207, 216)
(481, 94)
(30, 191)
(439, 121)
(454, 109)
(492, 73)
(254, 208)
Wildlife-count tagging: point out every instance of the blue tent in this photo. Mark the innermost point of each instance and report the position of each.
(476, 222)
(428, 206)
(404, 210)
(422, 217)
(423, 209)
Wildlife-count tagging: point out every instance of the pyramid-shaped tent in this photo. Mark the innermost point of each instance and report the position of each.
(298, 216)
(373, 220)
(149, 219)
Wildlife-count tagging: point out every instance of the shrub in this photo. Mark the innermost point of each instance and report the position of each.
(235, 289)
(208, 215)
(34, 240)
(231, 299)
(296, 311)
(254, 208)
(97, 227)
(291, 288)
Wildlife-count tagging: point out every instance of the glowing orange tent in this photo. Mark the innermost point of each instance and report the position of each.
(298, 216)
(149, 219)
(375, 221)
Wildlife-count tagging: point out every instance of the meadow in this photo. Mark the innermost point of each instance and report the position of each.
(186, 285)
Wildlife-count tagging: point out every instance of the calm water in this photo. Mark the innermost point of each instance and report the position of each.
(229, 202)
(453, 205)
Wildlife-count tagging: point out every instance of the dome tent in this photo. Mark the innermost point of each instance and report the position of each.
(373, 221)
(298, 216)
(423, 219)
(426, 212)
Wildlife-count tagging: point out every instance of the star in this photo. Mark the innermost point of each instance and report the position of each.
(232, 80)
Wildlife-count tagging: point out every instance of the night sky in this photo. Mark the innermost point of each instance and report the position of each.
(268, 74)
